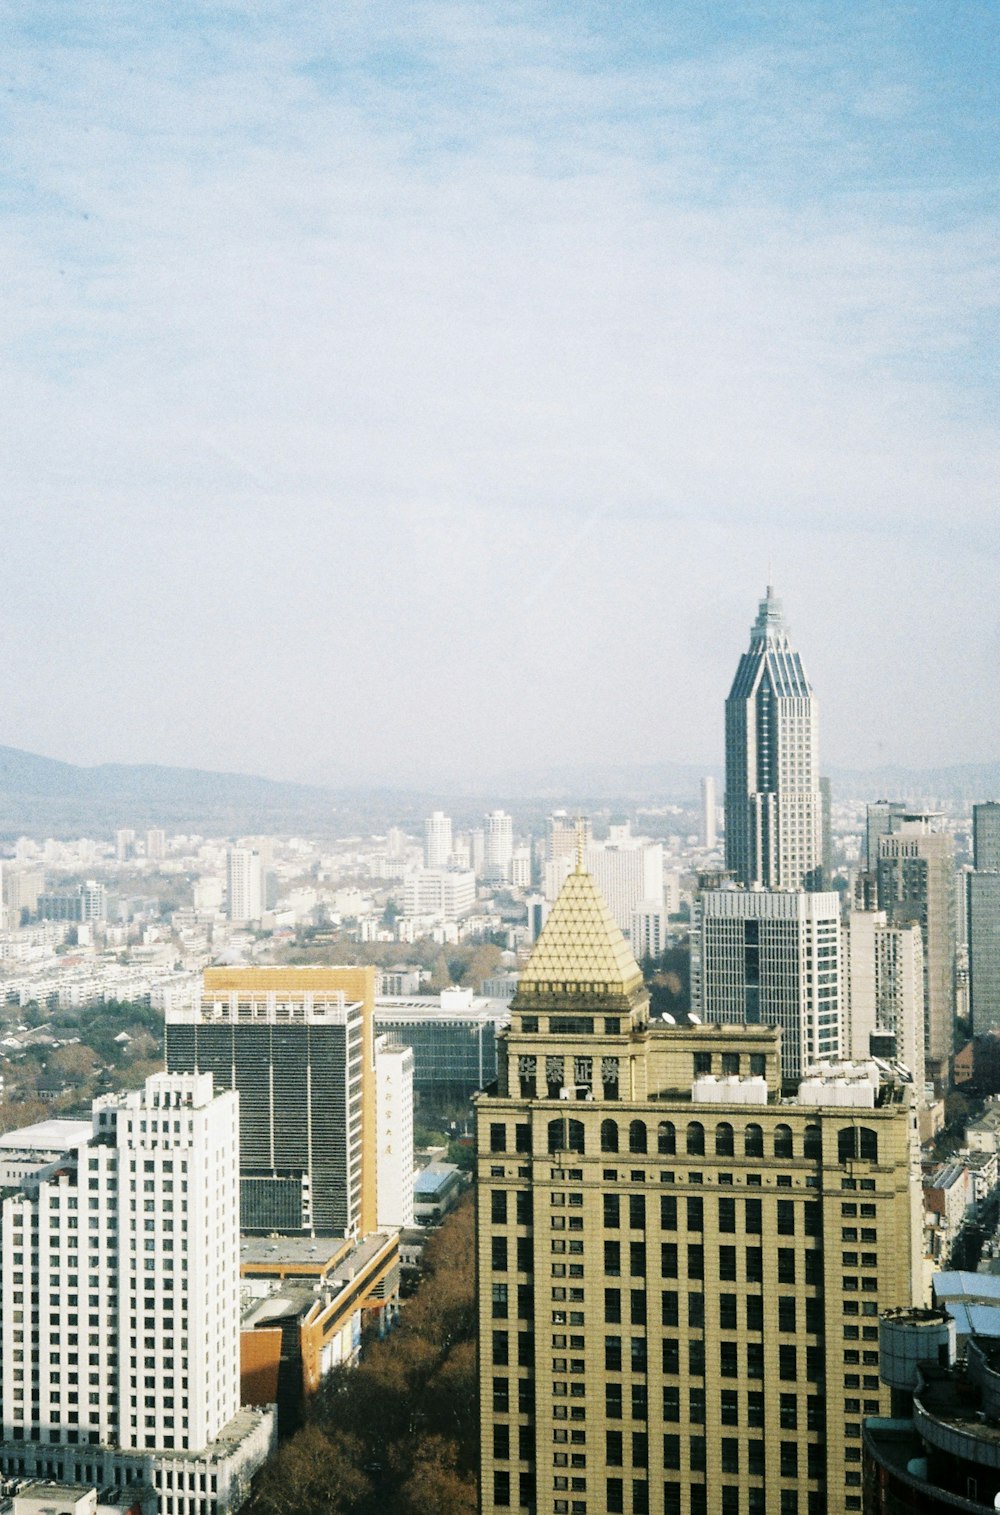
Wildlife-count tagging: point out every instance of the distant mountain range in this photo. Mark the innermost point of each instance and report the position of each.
(43, 794)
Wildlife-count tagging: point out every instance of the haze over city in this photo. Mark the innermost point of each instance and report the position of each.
(430, 389)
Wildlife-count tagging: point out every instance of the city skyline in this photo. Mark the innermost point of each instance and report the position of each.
(355, 359)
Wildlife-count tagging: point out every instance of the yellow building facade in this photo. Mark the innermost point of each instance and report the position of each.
(679, 1273)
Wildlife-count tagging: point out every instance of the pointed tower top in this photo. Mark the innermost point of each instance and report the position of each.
(581, 955)
(770, 623)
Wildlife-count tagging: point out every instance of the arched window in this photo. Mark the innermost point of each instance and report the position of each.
(724, 1146)
(695, 1139)
(609, 1136)
(637, 1136)
(666, 1138)
(857, 1142)
(557, 1135)
(575, 1142)
(812, 1143)
(753, 1141)
(783, 1141)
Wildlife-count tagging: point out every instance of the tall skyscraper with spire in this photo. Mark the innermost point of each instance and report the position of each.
(774, 807)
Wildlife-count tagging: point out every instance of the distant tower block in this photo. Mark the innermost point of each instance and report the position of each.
(774, 810)
(708, 829)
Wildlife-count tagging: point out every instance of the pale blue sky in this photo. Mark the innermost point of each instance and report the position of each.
(403, 388)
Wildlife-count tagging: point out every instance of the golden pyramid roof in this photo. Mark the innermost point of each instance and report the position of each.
(580, 949)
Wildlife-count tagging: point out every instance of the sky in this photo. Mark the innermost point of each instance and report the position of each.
(410, 389)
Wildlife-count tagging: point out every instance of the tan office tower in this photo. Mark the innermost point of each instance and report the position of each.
(916, 882)
(679, 1275)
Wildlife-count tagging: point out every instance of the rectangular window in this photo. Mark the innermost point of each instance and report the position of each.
(668, 1307)
(499, 1298)
(671, 1450)
(613, 1354)
(696, 1262)
(671, 1402)
(730, 1454)
(498, 1137)
(786, 1217)
(787, 1363)
(612, 1210)
(728, 1362)
(637, 1259)
(612, 1259)
(613, 1306)
(696, 1213)
(727, 1264)
(498, 1251)
(637, 1211)
(727, 1214)
(727, 1312)
(786, 1312)
(786, 1265)
(755, 1265)
(668, 1212)
(730, 1407)
(668, 1259)
(752, 1211)
(498, 1206)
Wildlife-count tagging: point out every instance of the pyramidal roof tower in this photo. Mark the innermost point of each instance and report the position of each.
(774, 810)
(581, 956)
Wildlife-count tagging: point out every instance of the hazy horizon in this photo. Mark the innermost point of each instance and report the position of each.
(436, 389)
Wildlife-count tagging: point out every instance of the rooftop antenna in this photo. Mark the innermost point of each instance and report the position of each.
(580, 836)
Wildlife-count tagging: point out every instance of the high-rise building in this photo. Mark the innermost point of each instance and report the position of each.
(437, 840)
(438, 891)
(156, 843)
(916, 882)
(884, 989)
(648, 936)
(245, 884)
(774, 809)
(708, 812)
(125, 843)
(498, 846)
(984, 950)
(143, 1383)
(564, 833)
(393, 1133)
(986, 837)
(680, 1274)
(627, 876)
(772, 958)
(21, 891)
(297, 1043)
(520, 868)
(879, 820)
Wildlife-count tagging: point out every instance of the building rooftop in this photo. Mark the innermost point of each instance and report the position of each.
(47, 1136)
(432, 1179)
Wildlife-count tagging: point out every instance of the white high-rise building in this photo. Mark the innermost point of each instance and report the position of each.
(649, 930)
(437, 840)
(774, 806)
(130, 1372)
(626, 876)
(245, 879)
(498, 846)
(156, 843)
(708, 819)
(393, 1133)
(772, 958)
(520, 868)
(438, 891)
(125, 843)
(884, 988)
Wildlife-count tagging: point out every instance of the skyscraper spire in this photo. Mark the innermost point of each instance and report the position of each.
(774, 826)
